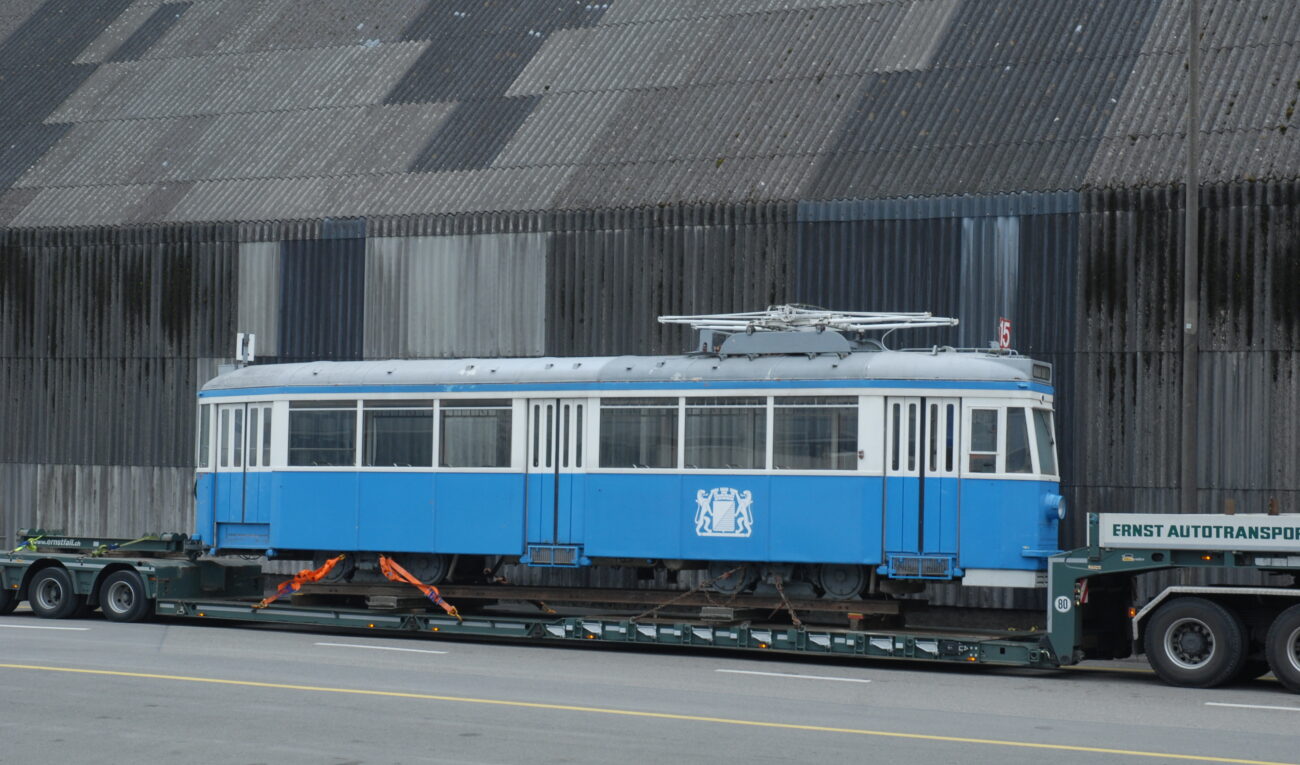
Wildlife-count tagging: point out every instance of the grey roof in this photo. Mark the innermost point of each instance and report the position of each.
(123, 112)
(872, 365)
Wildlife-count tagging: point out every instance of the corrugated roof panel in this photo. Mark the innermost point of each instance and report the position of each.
(560, 128)
(13, 202)
(917, 36)
(117, 32)
(81, 205)
(286, 24)
(208, 28)
(280, 80)
(154, 28)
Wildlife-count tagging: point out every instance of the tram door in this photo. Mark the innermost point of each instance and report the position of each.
(556, 457)
(243, 456)
(922, 464)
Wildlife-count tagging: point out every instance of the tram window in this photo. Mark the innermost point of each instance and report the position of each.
(726, 433)
(475, 433)
(638, 433)
(322, 433)
(253, 437)
(911, 436)
(897, 421)
(815, 433)
(934, 438)
(397, 433)
(224, 446)
(238, 440)
(1046, 439)
(266, 437)
(983, 440)
(1018, 460)
(205, 435)
(951, 420)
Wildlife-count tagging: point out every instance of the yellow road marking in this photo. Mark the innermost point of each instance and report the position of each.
(652, 715)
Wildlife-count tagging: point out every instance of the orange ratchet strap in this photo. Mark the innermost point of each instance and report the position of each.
(396, 573)
(299, 579)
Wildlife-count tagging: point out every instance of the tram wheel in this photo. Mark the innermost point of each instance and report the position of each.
(1195, 643)
(1282, 646)
(839, 581)
(428, 568)
(737, 581)
(342, 571)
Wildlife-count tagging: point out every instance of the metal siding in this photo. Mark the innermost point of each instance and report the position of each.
(95, 500)
(322, 299)
(259, 295)
(610, 274)
(455, 296)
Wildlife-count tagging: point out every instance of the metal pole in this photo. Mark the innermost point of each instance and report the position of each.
(1191, 265)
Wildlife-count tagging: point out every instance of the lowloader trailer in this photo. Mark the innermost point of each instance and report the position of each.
(1197, 636)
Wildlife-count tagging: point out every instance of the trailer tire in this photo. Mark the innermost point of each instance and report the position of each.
(51, 595)
(8, 602)
(1282, 646)
(123, 598)
(1195, 643)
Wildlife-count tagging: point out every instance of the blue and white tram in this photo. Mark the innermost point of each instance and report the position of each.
(870, 464)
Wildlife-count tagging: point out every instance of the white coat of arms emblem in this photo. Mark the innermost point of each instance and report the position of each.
(723, 512)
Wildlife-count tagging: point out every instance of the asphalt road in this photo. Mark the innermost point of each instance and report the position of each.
(92, 691)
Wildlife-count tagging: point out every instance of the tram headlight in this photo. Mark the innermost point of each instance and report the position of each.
(1055, 506)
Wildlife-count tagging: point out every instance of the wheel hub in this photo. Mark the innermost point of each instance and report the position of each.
(1189, 643)
(121, 597)
(50, 594)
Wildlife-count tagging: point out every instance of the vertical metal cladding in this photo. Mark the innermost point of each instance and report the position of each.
(259, 295)
(611, 273)
(122, 501)
(1130, 363)
(459, 295)
(322, 299)
(98, 333)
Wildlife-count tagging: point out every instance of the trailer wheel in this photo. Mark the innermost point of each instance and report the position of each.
(51, 596)
(1195, 643)
(8, 602)
(123, 598)
(1282, 647)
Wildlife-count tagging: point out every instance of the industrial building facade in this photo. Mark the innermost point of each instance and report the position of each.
(404, 179)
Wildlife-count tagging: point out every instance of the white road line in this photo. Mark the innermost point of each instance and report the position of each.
(1251, 706)
(34, 627)
(377, 647)
(800, 677)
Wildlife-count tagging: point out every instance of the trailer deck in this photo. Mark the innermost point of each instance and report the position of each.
(1195, 636)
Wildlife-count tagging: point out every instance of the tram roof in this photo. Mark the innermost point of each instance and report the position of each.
(875, 365)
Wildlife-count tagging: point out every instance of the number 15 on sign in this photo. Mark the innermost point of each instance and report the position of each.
(1004, 333)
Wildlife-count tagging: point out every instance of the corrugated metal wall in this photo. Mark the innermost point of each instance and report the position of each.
(106, 333)
(459, 295)
(610, 274)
